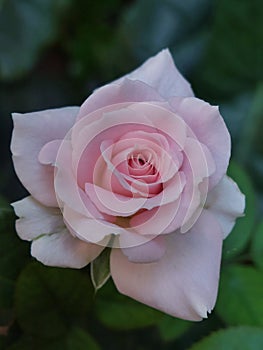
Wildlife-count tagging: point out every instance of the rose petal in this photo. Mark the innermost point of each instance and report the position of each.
(161, 73)
(110, 94)
(90, 229)
(157, 220)
(67, 190)
(101, 232)
(31, 132)
(227, 203)
(36, 219)
(147, 252)
(63, 250)
(49, 152)
(118, 205)
(184, 282)
(209, 128)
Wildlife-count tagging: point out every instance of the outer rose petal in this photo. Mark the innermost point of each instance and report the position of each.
(126, 91)
(227, 203)
(209, 128)
(36, 219)
(63, 250)
(31, 132)
(161, 73)
(52, 244)
(184, 282)
(147, 252)
(158, 72)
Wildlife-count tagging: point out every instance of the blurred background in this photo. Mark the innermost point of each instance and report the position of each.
(54, 53)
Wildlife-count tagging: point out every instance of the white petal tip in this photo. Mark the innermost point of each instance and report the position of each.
(202, 311)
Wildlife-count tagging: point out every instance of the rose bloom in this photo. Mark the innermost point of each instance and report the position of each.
(140, 167)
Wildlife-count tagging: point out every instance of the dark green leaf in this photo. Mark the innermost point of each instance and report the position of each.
(257, 246)
(93, 44)
(117, 311)
(13, 252)
(234, 58)
(78, 339)
(235, 113)
(47, 300)
(239, 338)
(100, 269)
(75, 339)
(175, 24)
(239, 237)
(25, 27)
(240, 296)
(171, 328)
(6, 292)
(250, 136)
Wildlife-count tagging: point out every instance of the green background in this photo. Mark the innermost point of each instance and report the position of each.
(55, 53)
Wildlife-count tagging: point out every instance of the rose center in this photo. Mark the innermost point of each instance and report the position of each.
(141, 164)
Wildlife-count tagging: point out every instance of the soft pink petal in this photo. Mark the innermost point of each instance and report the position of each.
(147, 252)
(161, 73)
(184, 282)
(36, 219)
(31, 132)
(49, 152)
(110, 94)
(118, 205)
(163, 119)
(157, 77)
(227, 203)
(102, 232)
(110, 123)
(199, 160)
(90, 229)
(157, 220)
(67, 190)
(209, 128)
(63, 250)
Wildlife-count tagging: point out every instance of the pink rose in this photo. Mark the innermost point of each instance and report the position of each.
(140, 167)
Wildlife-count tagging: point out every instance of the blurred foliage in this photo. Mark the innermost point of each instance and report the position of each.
(235, 243)
(245, 338)
(233, 61)
(240, 285)
(257, 246)
(58, 295)
(180, 25)
(26, 26)
(54, 53)
(117, 311)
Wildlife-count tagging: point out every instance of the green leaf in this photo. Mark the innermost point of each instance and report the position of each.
(75, 339)
(171, 328)
(235, 113)
(239, 338)
(95, 25)
(47, 300)
(13, 255)
(6, 292)
(100, 269)
(79, 339)
(250, 136)
(175, 24)
(119, 312)
(234, 56)
(26, 26)
(240, 296)
(257, 246)
(236, 242)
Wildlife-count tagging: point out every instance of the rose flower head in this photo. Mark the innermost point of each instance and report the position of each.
(139, 168)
